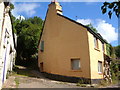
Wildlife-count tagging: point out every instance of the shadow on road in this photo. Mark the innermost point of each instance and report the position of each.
(25, 71)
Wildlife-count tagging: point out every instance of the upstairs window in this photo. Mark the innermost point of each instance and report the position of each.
(99, 67)
(75, 64)
(95, 42)
(103, 48)
(42, 46)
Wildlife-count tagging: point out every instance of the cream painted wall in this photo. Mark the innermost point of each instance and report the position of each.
(95, 56)
(1, 16)
(1, 20)
(6, 43)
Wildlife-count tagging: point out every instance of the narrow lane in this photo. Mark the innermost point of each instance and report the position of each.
(28, 78)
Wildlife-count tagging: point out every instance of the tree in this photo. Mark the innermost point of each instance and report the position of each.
(28, 32)
(91, 27)
(109, 49)
(117, 51)
(111, 7)
(11, 6)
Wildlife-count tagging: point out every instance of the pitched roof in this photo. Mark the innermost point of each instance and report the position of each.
(97, 35)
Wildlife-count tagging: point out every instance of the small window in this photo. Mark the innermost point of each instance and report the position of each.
(95, 42)
(42, 46)
(99, 67)
(75, 64)
(103, 48)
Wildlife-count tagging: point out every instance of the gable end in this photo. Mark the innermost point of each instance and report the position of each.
(91, 31)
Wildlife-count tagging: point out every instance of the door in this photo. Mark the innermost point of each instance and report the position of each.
(41, 67)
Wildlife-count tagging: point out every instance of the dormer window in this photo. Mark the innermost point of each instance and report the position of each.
(95, 43)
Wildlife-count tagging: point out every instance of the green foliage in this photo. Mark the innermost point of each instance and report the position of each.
(28, 33)
(117, 51)
(17, 82)
(14, 22)
(11, 6)
(111, 7)
(115, 70)
(81, 81)
(109, 49)
(103, 83)
(91, 27)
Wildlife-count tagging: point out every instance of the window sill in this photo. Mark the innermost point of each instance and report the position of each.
(97, 49)
(77, 70)
(100, 73)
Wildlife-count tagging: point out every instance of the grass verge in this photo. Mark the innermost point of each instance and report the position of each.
(16, 81)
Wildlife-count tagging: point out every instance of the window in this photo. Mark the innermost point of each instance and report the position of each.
(99, 67)
(103, 48)
(75, 64)
(42, 46)
(95, 42)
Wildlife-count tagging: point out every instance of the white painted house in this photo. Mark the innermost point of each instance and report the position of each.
(7, 42)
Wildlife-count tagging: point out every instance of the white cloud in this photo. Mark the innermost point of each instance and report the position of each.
(20, 17)
(84, 21)
(107, 31)
(26, 8)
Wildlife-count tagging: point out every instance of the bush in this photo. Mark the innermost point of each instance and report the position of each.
(115, 70)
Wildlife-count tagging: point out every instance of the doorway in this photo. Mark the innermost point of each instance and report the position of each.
(41, 67)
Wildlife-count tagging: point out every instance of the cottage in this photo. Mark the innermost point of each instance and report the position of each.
(7, 42)
(70, 51)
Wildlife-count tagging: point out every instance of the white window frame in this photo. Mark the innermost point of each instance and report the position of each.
(100, 67)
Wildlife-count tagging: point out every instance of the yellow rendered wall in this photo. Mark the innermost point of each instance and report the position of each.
(63, 41)
(95, 56)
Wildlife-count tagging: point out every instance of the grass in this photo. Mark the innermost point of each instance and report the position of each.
(17, 81)
(23, 71)
(115, 81)
(104, 83)
(81, 85)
